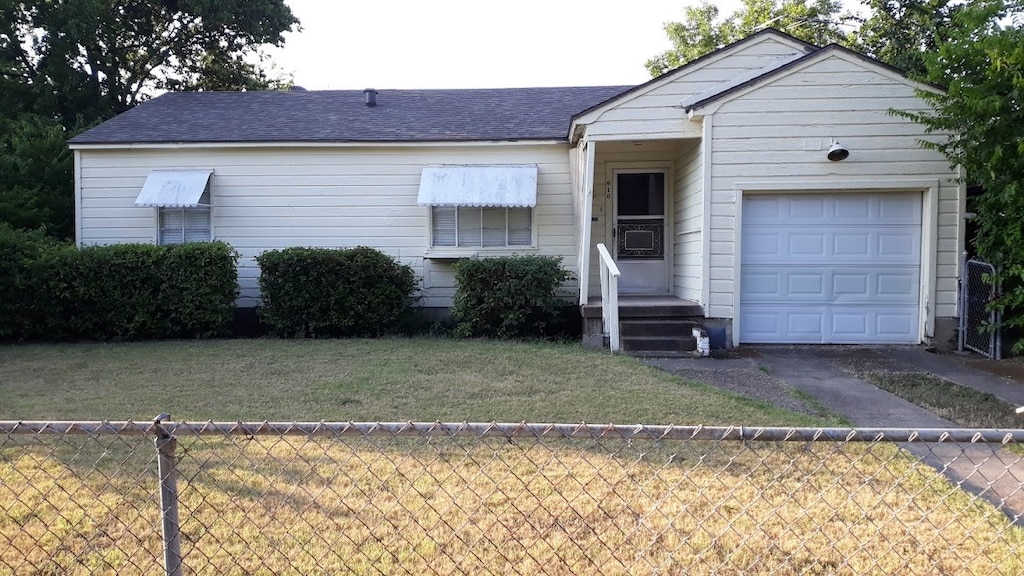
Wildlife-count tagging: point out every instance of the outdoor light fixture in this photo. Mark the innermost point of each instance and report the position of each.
(837, 152)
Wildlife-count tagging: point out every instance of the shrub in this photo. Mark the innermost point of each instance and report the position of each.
(199, 285)
(310, 292)
(51, 291)
(509, 297)
(23, 303)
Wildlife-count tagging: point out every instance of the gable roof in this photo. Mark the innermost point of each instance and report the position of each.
(343, 116)
(725, 89)
(760, 35)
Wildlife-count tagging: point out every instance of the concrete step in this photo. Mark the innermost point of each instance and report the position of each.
(653, 345)
(648, 309)
(669, 327)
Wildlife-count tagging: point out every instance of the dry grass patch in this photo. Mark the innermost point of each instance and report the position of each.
(965, 406)
(446, 506)
(364, 380)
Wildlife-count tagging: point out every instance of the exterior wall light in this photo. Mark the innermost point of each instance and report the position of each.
(837, 152)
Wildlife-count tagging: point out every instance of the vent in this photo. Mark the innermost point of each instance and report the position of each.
(371, 97)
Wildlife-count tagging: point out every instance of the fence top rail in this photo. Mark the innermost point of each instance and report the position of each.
(515, 430)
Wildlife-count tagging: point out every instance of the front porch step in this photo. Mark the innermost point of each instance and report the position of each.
(662, 327)
(659, 326)
(656, 345)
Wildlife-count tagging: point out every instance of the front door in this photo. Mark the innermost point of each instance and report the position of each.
(639, 198)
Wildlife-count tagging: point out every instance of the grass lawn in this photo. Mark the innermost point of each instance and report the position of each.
(321, 505)
(360, 380)
(964, 406)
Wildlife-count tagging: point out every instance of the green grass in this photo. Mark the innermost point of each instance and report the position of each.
(964, 406)
(363, 380)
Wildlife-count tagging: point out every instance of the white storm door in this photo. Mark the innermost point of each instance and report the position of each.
(841, 268)
(639, 230)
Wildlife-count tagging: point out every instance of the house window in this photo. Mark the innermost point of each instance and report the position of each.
(481, 227)
(182, 202)
(480, 206)
(180, 224)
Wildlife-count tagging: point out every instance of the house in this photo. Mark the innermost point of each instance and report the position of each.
(764, 188)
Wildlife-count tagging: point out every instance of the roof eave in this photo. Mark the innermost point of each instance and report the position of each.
(311, 143)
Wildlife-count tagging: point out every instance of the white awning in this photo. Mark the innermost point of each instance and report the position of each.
(512, 185)
(173, 188)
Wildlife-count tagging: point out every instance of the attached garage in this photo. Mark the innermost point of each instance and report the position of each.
(831, 268)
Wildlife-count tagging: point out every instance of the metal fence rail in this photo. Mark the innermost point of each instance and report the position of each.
(978, 325)
(461, 498)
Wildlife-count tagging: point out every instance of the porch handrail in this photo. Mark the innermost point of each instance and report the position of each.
(609, 297)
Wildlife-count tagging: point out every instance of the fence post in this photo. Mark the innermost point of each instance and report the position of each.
(167, 460)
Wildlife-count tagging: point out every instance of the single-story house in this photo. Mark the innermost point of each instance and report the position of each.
(764, 188)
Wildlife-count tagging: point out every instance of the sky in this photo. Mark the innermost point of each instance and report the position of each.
(475, 43)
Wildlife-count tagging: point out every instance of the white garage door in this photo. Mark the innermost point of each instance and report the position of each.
(838, 268)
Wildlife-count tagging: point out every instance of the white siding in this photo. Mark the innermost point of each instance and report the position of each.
(779, 132)
(688, 208)
(654, 112)
(272, 198)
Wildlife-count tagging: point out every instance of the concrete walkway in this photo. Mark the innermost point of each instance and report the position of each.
(986, 470)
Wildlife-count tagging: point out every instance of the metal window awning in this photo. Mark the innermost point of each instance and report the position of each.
(509, 185)
(173, 188)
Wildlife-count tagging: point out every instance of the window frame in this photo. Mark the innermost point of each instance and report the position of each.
(481, 247)
(207, 207)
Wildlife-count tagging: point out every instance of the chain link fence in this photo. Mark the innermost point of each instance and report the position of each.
(412, 498)
(975, 317)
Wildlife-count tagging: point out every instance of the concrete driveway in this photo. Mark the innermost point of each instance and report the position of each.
(826, 374)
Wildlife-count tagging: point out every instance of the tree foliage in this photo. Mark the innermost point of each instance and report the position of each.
(68, 64)
(704, 29)
(979, 122)
(901, 32)
(897, 32)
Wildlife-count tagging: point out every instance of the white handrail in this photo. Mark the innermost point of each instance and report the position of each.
(609, 297)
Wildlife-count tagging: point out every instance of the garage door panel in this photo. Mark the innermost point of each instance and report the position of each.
(882, 208)
(836, 285)
(830, 268)
(841, 324)
(836, 244)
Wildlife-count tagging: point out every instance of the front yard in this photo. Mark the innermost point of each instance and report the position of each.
(76, 504)
(362, 380)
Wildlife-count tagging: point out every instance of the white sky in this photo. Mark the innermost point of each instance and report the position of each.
(346, 44)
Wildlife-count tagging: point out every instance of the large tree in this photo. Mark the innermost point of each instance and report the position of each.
(67, 64)
(980, 118)
(901, 32)
(704, 29)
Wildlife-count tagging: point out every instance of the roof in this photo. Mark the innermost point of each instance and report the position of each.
(757, 76)
(343, 116)
(763, 33)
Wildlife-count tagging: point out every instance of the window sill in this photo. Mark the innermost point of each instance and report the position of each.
(464, 253)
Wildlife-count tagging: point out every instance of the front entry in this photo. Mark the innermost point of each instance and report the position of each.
(639, 230)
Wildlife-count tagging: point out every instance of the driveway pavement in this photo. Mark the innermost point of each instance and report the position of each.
(826, 373)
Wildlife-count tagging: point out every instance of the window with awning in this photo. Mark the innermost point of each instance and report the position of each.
(489, 206)
(182, 200)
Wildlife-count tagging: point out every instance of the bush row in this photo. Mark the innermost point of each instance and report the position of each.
(53, 291)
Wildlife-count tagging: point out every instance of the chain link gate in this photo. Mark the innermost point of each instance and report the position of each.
(487, 498)
(975, 318)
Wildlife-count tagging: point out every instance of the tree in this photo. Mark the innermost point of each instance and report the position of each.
(68, 64)
(901, 32)
(978, 123)
(97, 58)
(702, 31)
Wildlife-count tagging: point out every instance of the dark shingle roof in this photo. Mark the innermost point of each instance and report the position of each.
(342, 116)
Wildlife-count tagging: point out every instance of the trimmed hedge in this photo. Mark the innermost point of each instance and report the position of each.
(510, 297)
(317, 292)
(51, 291)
